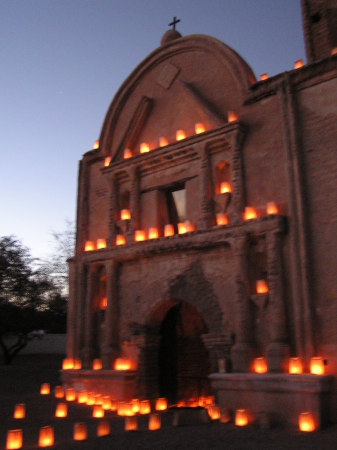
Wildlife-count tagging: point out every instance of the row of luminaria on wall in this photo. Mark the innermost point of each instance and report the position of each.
(180, 135)
(250, 213)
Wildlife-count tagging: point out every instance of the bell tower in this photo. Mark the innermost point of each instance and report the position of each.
(320, 28)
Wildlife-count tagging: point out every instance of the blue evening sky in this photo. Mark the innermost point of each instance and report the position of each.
(62, 61)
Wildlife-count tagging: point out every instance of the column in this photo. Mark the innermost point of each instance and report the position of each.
(110, 345)
(242, 350)
(81, 292)
(238, 194)
(205, 214)
(72, 323)
(113, 210)
(277, 350)
(134, 203)
(87, 353)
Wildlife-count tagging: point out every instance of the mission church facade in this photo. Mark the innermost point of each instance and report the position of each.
(206, 228)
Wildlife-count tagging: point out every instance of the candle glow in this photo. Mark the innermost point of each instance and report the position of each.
(127, 153)
(249, 213)
(125, 214)
(306, 422)
(199, 128)
(260, 365)
(14, 439)
(89, 246)
(295, 365)
(144, 147)
(120, 239)
(317, 365)
(61, 410)
(221, 219)
(46, 436)
(180, 135)
(101, 243)
(225, 188)
(19, 411)
(241, 418)
(168, 230)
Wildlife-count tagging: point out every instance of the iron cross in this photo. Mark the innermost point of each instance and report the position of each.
(174, 23)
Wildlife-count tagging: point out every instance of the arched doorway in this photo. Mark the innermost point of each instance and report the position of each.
(183, 359)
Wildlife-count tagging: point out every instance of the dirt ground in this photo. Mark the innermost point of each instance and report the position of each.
(20, 383)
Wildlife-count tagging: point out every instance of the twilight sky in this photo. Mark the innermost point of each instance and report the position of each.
(62, 61)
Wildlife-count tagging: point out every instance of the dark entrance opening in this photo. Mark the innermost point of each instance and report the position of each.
(183, 359)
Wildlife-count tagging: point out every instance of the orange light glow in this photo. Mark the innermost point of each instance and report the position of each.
(221, 219)
(144, 147)
(80, 431)
(98, 399)
(241, 418)
(107, 161)
(19, 411)
(135, 405)
(163, 142)
(260, 365)
(70, 395)
(91, 398)
(101, 243)
(189, 226)
(128, 410)
(249, 213)
(298, 64)
(168, 230)
(127, 153)
(61, 410)
(225, 415)
(154, 422)
(82, 397)
(58, 392)
(145, 407)
(131, 424)
(122, 364)
(97, 364)
(103, 428)
(272, 208)
(225, 188)
(46, 436)
(306, 422)
(125, 214)
(231, 116)
(295, 365)
(67, 364)
(45, 389)
(14, 439)
(182, 228)
(121, 406)
(106, 403)
(317, 365)
(153, 233)
(199, 128)
(180, 135)
(120, 239)
(209, 400)
(264, 76)
(161, 404)
(214, 412)
(261, 287)
(77, 364)
(334, 51)
(113, 405)
(140, 235)
(89, 246)
(103, 303)
(98, 411)
(96, 145)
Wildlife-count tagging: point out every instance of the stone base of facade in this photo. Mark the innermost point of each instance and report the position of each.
(119, 385)
(280, 396)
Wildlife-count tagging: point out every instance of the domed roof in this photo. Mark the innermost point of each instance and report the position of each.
(169, 35)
